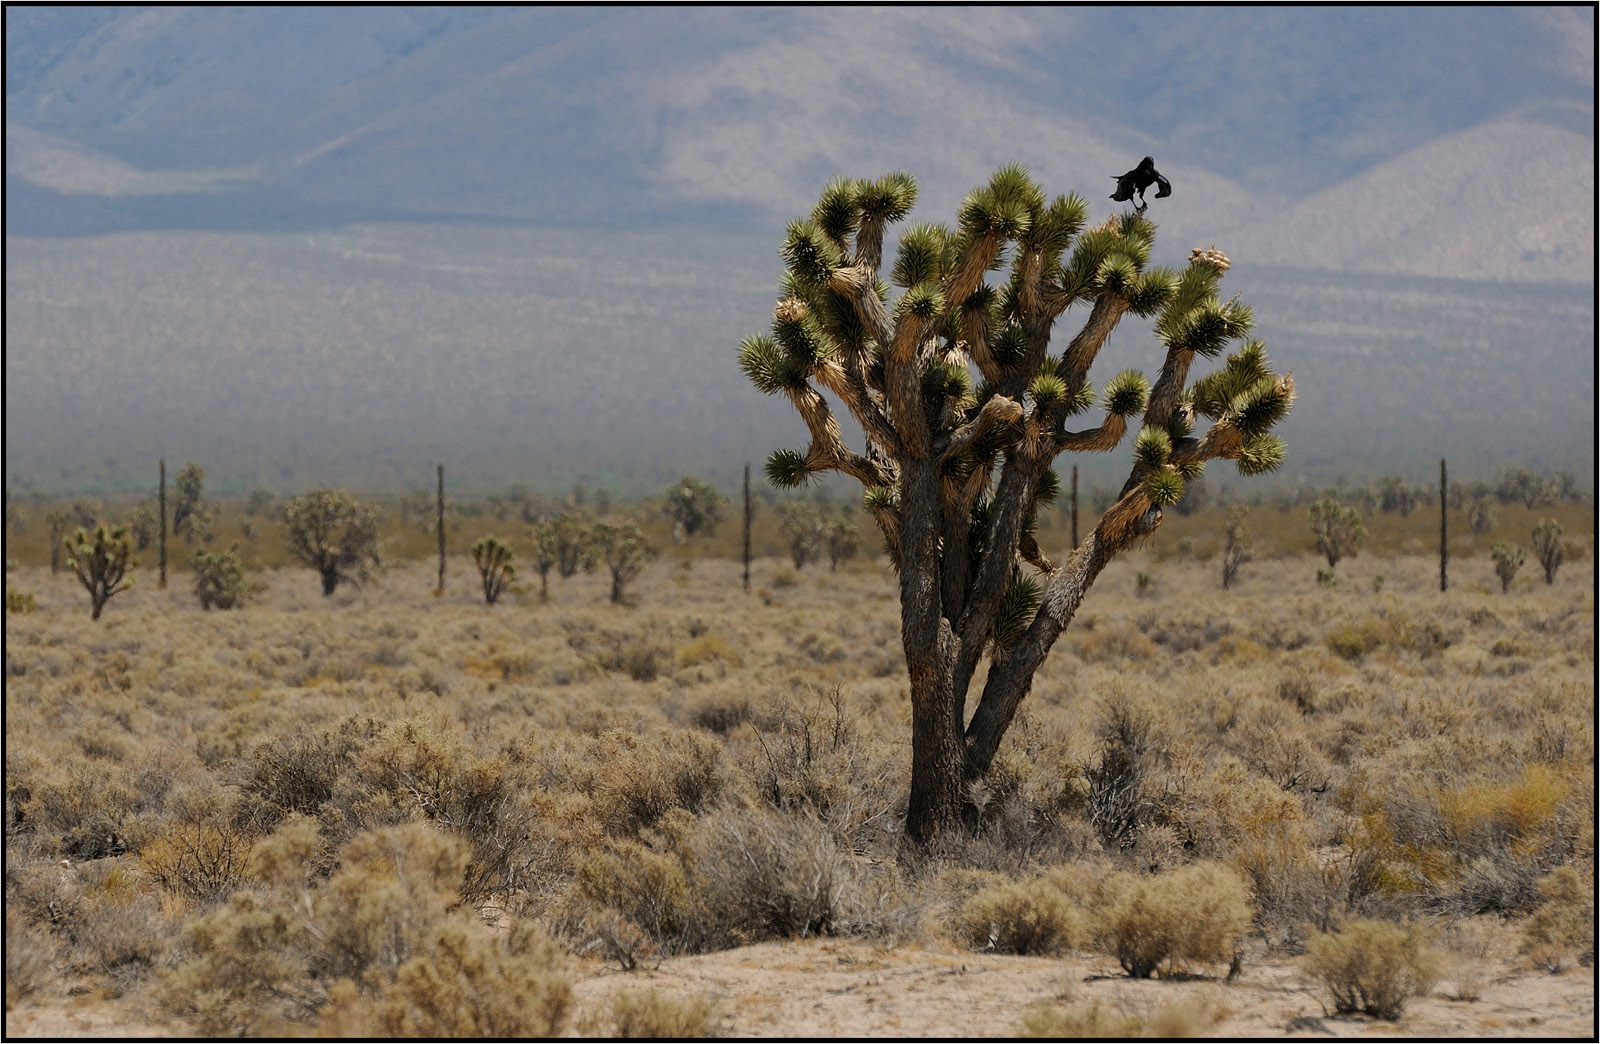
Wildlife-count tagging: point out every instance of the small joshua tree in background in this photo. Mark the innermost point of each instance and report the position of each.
(102, 563)
(333, 533)
(625, 551)
(142, 525)
(1480, 514)
(574, 537)
(1547, 545)
(1508, 558)
(1521, 484)
(694, 507)
(1235, 547)
(494, 561)
(546, 553)
(844, 539)
(190, 519)
(56, 523)
(1339, 530)
(806, 531)
(219, 580)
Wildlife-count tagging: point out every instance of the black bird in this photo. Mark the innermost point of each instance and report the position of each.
(1137, 180)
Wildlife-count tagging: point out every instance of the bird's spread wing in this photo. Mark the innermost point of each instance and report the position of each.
(1124, 187)
(1163, 187)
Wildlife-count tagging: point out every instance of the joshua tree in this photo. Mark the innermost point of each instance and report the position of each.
(330, 531)
(1508, 558)
(189, 518)
(1522, 484)
(694, 507)
(1339, 530)
(955, 463)
(625, 552)
(494, 565)
(102, 563)
(1235, 547)
(844, 539)
(806, 531)
(56, 523)
(1480, 514)
(1395, 494)
(219, 580)
(546, 553)
(574, 537)
(142, 525)
(1547, 545)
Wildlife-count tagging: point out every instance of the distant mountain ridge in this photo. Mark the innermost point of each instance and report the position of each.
(314, 117)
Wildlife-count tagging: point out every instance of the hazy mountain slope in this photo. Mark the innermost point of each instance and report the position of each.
(542, 356)
(1508, 200)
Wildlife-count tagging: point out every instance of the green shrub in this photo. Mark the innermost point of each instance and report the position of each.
(1373, 967)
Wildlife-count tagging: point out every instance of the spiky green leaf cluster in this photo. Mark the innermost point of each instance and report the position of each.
(787, 468)
(1008, 345)
(1126, 393)
(890, 198)
(1215, 394)
(768, 368)
(803, 340)
(1048, 488)
(1164, 487)
(922, 255)
(1047, 391)
(1018, 606)
(1262, 454)
(924, 301)
(838, 209)
(1152, 448)
(1259, 407)
(1152, 291)
(810, 254)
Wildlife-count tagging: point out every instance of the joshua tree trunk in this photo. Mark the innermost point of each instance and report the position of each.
(956, 464)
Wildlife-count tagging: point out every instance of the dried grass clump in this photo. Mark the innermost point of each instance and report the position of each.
(1169, 923)
(382, 948)
(1080, 1022)
(1373, 967)
(1561, 930)
(651, 1015)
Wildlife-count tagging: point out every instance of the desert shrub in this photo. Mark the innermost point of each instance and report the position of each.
(1079, 1022)
(198, 860)
(772, 875)
(653, 1016)
(660, 890)
(301, 773)
(704, 649)
(20, 602)
(639, 779)
(1027, 917)
(383, 947)
(1194, 915)
(467, 983)
(1373, 967)
(1354, 640)
(30, 958)
(815, 758)
(1122, 793)
(721, 714)
(1561, 930)
(1548, 548)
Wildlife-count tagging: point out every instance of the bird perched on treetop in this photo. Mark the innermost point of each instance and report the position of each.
(1137, 180)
